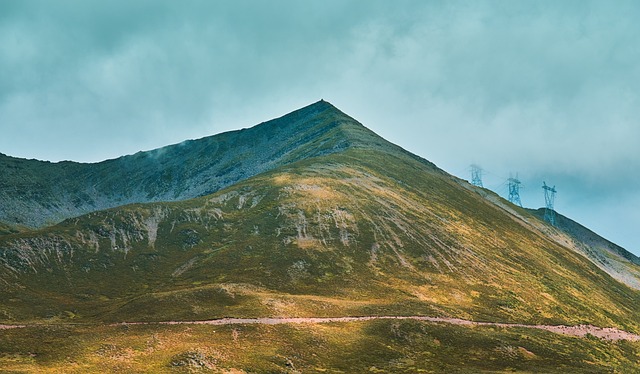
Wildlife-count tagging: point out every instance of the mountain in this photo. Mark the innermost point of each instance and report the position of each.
(320, 217)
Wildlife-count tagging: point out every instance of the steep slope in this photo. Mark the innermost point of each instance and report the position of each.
(36, 193)
(614, 260)
(610, 257)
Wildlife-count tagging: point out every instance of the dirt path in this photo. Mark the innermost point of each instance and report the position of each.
(4, 327)
(606, 333)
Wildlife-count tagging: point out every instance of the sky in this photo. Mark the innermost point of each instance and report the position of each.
(549, 90)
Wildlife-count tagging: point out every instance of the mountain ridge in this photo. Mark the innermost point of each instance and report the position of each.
(40, 193)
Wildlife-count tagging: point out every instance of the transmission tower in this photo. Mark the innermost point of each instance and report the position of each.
(476, 175)
(549, 198)
(514, 190)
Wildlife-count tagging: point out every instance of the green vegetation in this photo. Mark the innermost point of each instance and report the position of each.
(376, 346)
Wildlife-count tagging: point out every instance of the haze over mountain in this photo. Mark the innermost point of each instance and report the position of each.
(310, 214)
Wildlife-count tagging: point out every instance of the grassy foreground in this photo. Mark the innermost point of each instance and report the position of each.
(353, 347)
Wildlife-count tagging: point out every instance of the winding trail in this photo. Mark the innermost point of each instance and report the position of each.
(6, 327)
(606, 333)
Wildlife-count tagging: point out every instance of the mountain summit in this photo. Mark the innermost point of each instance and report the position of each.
(308, 215)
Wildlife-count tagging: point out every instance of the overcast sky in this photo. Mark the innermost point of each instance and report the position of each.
(546, 89)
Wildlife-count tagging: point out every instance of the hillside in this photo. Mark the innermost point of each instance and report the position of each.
(360, 231)
(346, 224)
(610, 257)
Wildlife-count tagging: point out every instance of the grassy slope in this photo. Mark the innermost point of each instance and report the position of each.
(332, 235)
(377, 347)
(613, 259)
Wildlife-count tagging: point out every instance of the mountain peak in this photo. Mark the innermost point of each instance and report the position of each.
(309, 115)
(322, 104)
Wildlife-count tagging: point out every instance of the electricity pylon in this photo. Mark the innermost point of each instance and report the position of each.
(476, 175)
(549, 198)
(514, 190)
